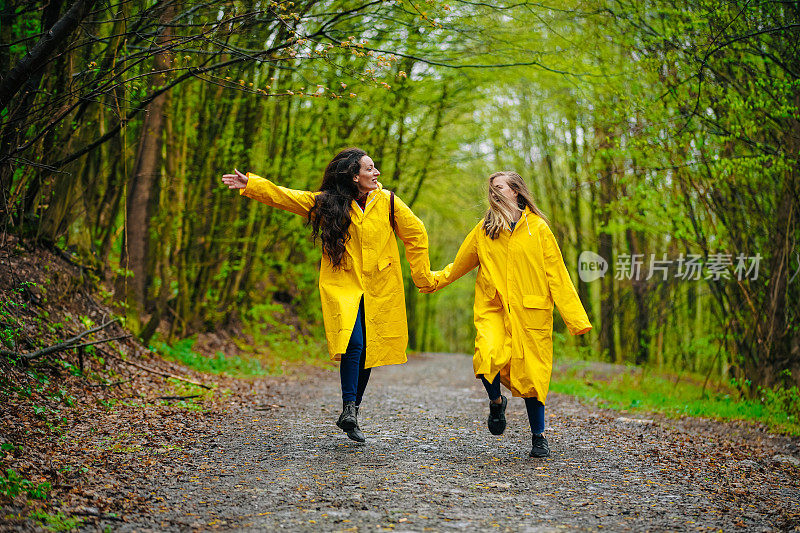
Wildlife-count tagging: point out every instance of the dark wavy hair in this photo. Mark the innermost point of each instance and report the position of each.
(330, 216)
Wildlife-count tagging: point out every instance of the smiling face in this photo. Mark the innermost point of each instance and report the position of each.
(367, 178)
(501, 186)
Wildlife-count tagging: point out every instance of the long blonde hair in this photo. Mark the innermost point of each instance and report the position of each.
(503, 211)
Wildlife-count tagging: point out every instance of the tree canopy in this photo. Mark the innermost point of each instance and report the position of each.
(662, 136)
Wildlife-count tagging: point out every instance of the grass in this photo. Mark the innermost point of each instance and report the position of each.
(276, 346)
(183, 352)
(56, 521)
(634, 389)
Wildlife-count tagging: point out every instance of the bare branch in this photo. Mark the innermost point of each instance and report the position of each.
(24, 69)
(164, 374)
(61, 346)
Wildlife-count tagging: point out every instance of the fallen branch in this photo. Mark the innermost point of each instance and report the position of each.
(102, 340)
(269, 407)
(114, 384)
(165, 374)
(97, 514)
(61, 346)
(178, 397)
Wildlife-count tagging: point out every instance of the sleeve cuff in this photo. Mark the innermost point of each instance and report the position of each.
(250, 176)
(582, 331)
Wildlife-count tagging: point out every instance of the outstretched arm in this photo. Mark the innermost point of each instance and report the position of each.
(412, 232)
(466, 259)
(263, 190)
(561, 288)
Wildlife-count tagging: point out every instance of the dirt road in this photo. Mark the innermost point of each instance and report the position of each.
(429, 463)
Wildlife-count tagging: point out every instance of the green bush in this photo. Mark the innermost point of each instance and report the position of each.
(782, 403)
(12, 485)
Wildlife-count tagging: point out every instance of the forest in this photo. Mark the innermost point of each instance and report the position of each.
(661, 136)
(163, 364)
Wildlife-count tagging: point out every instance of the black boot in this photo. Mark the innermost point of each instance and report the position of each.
(355, 433)
(497, 416)
(540, 447)
(347, 420)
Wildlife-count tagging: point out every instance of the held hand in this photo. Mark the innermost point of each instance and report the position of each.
(235, 181)
(430, 288)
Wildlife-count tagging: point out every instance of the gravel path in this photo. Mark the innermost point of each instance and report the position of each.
(429, 463)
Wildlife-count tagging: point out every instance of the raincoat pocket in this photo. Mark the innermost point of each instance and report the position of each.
(538, 312)
(383, 263)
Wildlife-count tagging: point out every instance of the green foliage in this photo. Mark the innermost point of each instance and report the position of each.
(71, 368)
(182, 352)
(274, 344)
(9, 447)
(10, 308)
(667, 127)
(781, 403)
(265, 322)
(12, 485)
(56, 521)
(633, 389)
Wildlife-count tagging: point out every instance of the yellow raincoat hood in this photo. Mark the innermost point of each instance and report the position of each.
(521, 275)
(371, 268)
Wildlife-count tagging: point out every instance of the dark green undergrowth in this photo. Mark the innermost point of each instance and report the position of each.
(183, 352)
(273, 349)
(56, 521)
(13, 484)
(637, 389)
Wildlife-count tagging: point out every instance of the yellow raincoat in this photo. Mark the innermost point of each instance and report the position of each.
(370, 268)
(521, 273)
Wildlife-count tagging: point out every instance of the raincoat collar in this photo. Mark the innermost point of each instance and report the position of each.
(371, 197)
(523, 219)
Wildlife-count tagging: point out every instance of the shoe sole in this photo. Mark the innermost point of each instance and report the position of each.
(355, 437)
(495, 431)
(536, 456)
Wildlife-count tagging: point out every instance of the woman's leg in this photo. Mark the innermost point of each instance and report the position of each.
(363, 379)
(493, 388)
(351, 360)
(363, 373)
(350, 371)
(535, 408)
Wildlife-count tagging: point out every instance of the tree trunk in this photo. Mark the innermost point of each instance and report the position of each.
(577, 216)
(147, 170)
(606, 251)
(640, 294)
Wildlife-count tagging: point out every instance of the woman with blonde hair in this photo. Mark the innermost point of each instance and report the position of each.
(360, 281)
(521, 274)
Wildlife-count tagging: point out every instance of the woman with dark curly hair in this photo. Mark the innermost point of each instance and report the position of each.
(360, 282)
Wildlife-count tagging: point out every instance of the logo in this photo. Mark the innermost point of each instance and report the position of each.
(591, 266)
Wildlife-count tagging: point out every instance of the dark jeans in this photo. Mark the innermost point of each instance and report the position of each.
(534, 407)
(351, 370)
